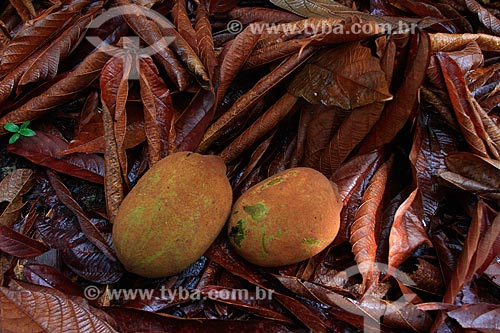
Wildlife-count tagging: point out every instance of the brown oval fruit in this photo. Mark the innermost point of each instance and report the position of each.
(173, 214)
(286, 218)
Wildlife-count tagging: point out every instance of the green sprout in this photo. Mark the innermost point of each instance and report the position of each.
(19, 131)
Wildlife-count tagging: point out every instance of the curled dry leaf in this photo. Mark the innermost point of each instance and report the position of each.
(408, 231)
(365, 229)
(352, 178)
(452, 42)
(158, 110)
(466, 111)
(113, 182)
(114, 94)
(204, 38)
(183, 23)
(474, 169)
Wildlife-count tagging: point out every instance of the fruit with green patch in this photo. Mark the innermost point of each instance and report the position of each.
(173, 214)
(286, 218)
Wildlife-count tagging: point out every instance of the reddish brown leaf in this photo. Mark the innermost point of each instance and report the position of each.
(133, 321)
(12, 188)
(398, 111)
(234, 59)
(90, 139)
(33, 36)
(352, 178)
(158, 111)
(43, 149)
(354, 79)
(482, 317)
(194, 120)
(351, 132)
(460, 96)
(61, 92)
(19, 245)
(26, 311)
(260, 127)
(89, 230)
(24, 8)
(247, 15)
(113, 183)
(150, 32)
(408, 231)
(204, 38)
(45, 64)
(364, 231)
(490, 21)
(183, 23)
(114, 94)
(49, 276)
(268, 54)
(246, 101)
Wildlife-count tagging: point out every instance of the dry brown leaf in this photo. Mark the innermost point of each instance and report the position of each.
(12, 188)
(365, 229)
(113, 183)
(408, 231)
(453, 42)
(25, 311)
(353, 79)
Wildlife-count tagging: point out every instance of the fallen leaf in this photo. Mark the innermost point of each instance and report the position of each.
(26, 311)
(19, 245)
(352, 80)
(43, 149)
(12, 188)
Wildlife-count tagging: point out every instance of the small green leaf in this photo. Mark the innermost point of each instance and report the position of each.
(14, 138)
(11, 127)
(27, 132)
(25, 124)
